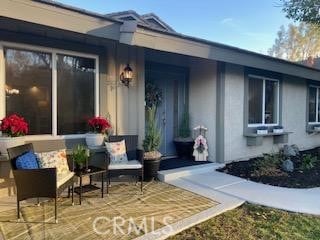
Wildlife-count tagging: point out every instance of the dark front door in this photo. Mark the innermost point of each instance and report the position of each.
(173, 83)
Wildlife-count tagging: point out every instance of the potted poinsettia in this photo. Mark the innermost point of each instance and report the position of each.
(13, 129)
(98, 129)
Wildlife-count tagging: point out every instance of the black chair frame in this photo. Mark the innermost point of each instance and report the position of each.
(133, 153)
(37, 183)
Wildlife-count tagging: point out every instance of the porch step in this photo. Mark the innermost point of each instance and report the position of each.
(172, 174)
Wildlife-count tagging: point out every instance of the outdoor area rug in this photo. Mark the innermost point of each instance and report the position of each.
(123, 214)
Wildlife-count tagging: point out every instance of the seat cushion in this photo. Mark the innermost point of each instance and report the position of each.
(63, 178)
(132, 164)
(117, 152)
(27, 161)
(54, 159)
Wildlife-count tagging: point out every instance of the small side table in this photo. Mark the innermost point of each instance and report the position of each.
(92, 170)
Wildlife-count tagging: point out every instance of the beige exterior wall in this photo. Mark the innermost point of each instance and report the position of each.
(294, 109)
(294, 102)
(125, 105)
(202, 99)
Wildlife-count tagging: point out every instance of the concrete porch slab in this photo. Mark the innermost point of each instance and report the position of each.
(168, 175)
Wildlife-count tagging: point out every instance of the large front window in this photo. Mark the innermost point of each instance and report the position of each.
(314, 105)
(263, 101)
(75, 77)
(53, 91)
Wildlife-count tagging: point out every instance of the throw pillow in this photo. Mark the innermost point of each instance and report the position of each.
(54, 159)
(117, 152)
(27, 161)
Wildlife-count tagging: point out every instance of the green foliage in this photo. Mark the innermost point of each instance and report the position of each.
(184, 128)
(152, 139)
(308, 162)
(302, 10)
(153, 95)
(268, 164)
(297, 42)
(80, 154)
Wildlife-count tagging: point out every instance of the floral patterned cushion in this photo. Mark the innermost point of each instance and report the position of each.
(117, 152)
(54, 159)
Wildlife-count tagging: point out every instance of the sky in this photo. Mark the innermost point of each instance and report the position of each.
(247, 24)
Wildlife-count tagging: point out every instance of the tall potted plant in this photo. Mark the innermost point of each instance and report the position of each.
(184, 142)
(152, 141)
(98, 127)
(13, 129)
(151, 145)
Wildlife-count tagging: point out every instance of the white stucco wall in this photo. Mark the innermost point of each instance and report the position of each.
(202, 99)
(294, 97)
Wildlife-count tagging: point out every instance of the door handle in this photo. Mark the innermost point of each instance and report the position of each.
(164, 118)
(164, 121)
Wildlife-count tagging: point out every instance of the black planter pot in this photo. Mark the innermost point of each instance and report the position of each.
(151, 168)
(184, 149)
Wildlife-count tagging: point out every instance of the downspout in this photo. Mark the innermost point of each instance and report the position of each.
(220, 114)
(127, 30)
(116, 84)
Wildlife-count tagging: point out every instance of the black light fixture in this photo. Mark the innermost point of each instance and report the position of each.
(126, 76)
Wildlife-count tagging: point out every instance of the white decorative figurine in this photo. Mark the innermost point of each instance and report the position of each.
(200, 148)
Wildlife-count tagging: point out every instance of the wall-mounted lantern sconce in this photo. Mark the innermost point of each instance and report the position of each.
(126, 76)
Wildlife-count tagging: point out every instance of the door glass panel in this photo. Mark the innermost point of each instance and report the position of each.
(76, 77)
(255, 100)
(28, 88)
(271, 102)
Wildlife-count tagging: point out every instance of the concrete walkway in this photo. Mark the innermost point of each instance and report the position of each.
(218, 184)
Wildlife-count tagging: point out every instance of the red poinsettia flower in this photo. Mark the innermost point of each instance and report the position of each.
(14, 126)
(99, 124)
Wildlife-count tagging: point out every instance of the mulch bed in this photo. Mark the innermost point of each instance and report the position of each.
(276, 176)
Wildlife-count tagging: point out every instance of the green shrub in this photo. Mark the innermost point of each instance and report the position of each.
(267, 164)
(308, 161)
(152, 139)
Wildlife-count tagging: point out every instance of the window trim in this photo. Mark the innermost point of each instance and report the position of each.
(264, 79)
(53, 52)
(317, 87)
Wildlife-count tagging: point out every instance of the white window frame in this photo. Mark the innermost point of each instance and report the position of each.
(264, 79)
(54, 52)
(317, 104)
